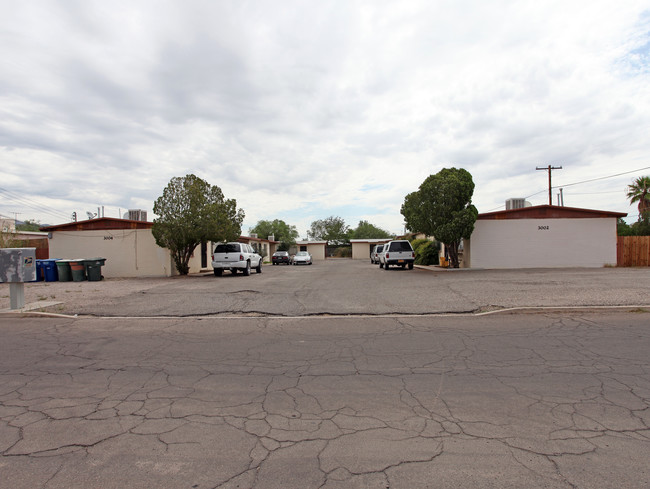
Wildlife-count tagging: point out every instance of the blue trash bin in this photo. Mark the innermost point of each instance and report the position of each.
(39, 271)
(50, 272)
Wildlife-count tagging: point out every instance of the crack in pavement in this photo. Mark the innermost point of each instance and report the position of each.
(553, 401)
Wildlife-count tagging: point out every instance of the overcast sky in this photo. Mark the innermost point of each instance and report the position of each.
(301, 110)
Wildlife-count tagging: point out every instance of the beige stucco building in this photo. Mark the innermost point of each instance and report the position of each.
(315, 248)
(543, 237)
(129, 247)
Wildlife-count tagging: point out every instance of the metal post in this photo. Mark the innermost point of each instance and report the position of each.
(17, 295)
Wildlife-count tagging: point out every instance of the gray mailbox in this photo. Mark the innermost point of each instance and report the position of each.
(17, 266)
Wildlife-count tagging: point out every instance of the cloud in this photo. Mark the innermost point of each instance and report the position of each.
(299, 109)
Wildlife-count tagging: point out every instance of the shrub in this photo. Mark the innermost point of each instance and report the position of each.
(427, 253)
(343, 252)
(416, 243)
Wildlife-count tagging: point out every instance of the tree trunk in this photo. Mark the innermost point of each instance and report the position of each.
(452, 249)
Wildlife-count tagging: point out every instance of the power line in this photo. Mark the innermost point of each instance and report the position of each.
(590, 180)
(578, 183)
(603, 178)
(34, 205)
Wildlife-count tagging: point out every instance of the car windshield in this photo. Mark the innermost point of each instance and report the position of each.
(227, 248)
(302, 253)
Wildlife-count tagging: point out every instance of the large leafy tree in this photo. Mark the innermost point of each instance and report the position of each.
(332, 229)
(442, 207)
(192, 212)
(281, 231)
(365, 230)
(639, 192)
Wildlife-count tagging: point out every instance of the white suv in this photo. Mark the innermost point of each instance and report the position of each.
(398, 252)
(234, 257)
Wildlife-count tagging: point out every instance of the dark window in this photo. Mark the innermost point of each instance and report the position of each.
(401, 246)
(303, 248)
(227, 248)
(380, 248)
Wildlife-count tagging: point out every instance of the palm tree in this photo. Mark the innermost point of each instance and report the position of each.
(639, 192)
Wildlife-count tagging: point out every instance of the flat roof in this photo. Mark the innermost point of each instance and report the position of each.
(550, 212)
(99, 224)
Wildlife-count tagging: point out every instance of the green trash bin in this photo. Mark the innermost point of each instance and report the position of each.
(93, 268)
(78, 270)
(63, 267)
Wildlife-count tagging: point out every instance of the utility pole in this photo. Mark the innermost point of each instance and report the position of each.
(549, 168)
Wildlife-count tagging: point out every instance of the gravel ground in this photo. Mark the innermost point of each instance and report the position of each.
(77, 295)
(340, 287)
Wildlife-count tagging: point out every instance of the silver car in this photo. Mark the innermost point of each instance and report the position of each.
(374, 256)
(302, 258)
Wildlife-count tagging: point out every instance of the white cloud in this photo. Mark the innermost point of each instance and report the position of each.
(299, 110)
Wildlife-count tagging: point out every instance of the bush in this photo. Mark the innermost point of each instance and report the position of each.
(343, 252)
(416, 243)
(427, 253)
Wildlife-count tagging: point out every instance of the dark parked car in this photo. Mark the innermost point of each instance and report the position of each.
(281, 257)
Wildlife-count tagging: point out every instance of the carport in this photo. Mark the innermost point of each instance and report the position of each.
(361, 248)
(315, 248)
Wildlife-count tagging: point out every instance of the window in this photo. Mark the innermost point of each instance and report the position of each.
(401, 246)
(227, 248)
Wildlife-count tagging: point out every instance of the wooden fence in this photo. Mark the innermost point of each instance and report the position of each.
(633, 251)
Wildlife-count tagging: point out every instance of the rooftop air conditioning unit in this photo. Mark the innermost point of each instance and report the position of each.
(253, 235)
(137, 215)
(515, 204)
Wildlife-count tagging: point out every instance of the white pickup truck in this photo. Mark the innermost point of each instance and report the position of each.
(234, 257)
(398, 252)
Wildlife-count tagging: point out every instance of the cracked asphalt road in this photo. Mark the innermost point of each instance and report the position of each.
(554, 400)
(539, 400)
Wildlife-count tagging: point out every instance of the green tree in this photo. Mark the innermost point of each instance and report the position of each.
(365, 230)
(639, 192)
(623, 228)
(442, 207)
(9, 240)
(193, 212)
(332, 229)
(281, 231)
(29, 225)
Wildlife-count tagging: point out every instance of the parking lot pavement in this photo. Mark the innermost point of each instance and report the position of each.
(510, 401)
(342, 287)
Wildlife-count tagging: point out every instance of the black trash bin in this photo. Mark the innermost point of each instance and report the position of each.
(78, 270)
(63, 267)
(93, 268)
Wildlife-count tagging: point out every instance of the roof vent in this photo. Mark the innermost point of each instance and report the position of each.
(515, 204)
(136, 215)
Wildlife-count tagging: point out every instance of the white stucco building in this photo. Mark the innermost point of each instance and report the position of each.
(543, 237)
